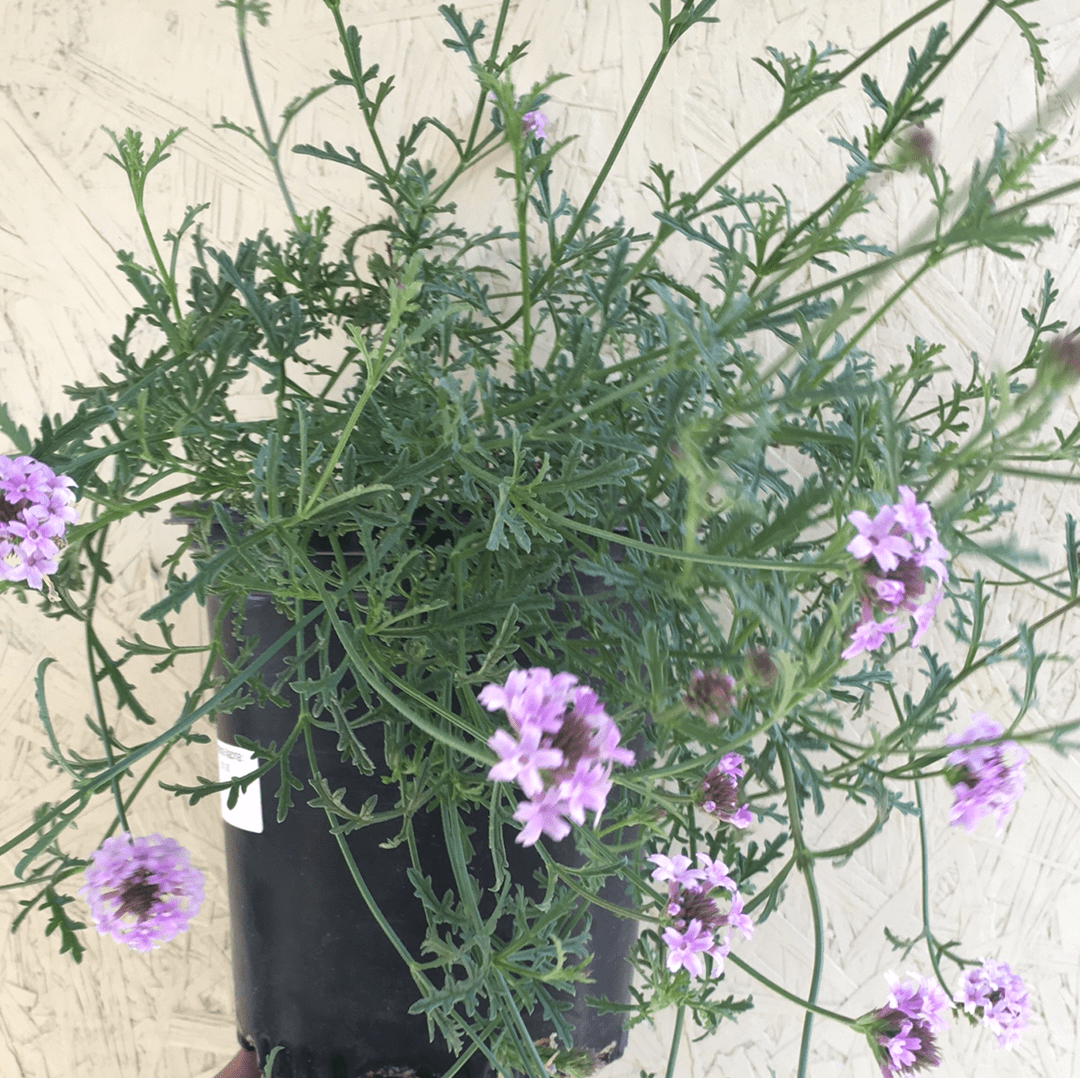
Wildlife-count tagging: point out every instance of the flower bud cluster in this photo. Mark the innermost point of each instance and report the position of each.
(902, 1033)
(710, 695)
(900, 550)
(696, 919)
(720, 791)
(36, 506)
(560, 753)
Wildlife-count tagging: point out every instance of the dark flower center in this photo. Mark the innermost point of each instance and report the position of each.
(697, 906)
(909, 573)
(10, 511)
(573, 739)
(138, 896)
(720, 788)
(890, 1022)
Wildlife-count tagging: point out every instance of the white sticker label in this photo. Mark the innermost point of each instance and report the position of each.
(247, 812)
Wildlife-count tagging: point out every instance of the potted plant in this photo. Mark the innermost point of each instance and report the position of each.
(546, 577)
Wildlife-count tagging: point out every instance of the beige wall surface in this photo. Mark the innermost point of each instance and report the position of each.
(67, 68)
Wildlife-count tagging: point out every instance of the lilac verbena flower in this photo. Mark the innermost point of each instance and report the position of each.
(534, 125)
(901, 1033)
(675, 869)
(142, 891)
(720, 791)
(710, 695)
(901, 555)
(698, 927)
(996, 997)
(987, 779)
(36, 506)
(561, 750)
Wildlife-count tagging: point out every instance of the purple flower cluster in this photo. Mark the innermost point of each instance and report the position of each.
(561, 752)
(36, 506)
(898, 547)
(534, 125)
(696, 920)
(720, 791)
(987, 779)
(142, 891)
(710, 695)
(998, 998)
(901, 1034)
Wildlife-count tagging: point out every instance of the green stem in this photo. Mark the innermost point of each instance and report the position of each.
(95, 681)
(451, 822)
(848, 848)
(522, 362)
(762, 564)
(357, 77)
(91, 786)
(582, 214)
(167, 282)
(676, 1037)
(376, 368)
(270, 147)
(806, 866)
(365, 892)
(815, 215)
(773, 885)
(890, 739)
(496, 40)
(785, 114)
(925, 864)
(808, 1005)
(385, 682)
(841, 315)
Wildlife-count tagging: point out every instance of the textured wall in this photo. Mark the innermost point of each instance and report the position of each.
(68, 68)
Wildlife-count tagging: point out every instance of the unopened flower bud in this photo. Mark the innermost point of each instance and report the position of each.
(921, 144)
(915, 148)
(762, 666)
(1063, 353)
(711, 695)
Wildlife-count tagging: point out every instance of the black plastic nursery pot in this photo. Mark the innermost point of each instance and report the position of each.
(314, 972)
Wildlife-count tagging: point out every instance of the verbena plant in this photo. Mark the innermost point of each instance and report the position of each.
(457, 424)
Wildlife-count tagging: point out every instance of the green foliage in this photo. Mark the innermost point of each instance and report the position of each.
(539, 445)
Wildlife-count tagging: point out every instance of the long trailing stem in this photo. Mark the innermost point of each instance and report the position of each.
(521, 200)
(805, 862)
(665, 231)
(271, 146)
(991, 655)
(357, 77)
(924, 852)
(481, 101)
(815, 215)
(95, 681)
(137, 183)
(92, 785)
(808, 1005)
